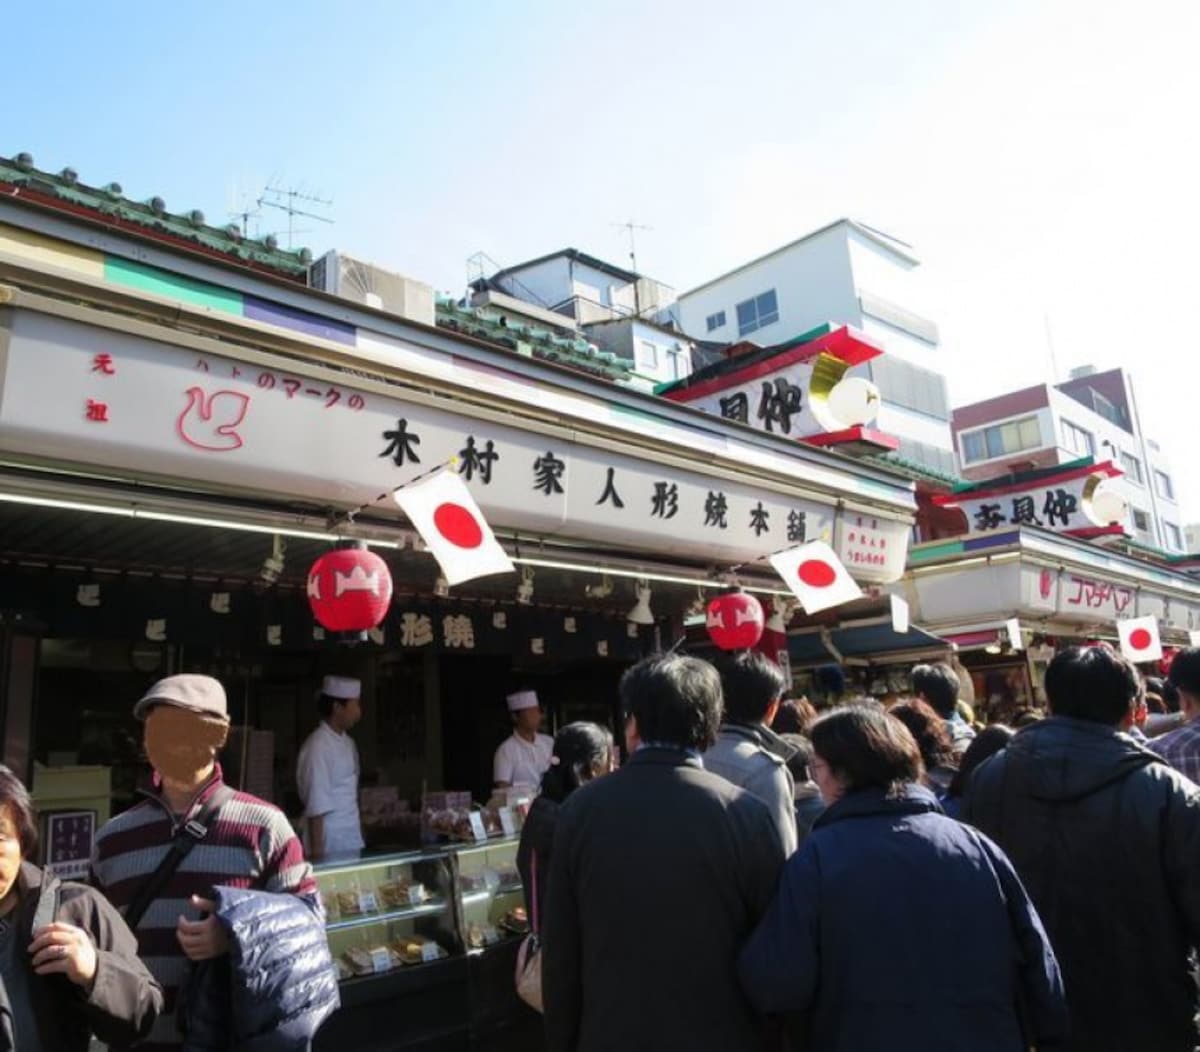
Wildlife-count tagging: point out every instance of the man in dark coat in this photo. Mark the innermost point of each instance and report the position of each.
(659, 873)
(1106, 838)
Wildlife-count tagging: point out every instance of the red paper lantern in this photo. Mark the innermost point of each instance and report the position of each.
(349, 589)
(735, 620)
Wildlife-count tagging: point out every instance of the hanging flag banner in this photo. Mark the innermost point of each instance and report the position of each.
(1012, 628)
(450, 523)
(1139, 639)
(899, 614)
(816, 576)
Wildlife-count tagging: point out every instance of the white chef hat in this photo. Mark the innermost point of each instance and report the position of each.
(341, 687)
(523, 699)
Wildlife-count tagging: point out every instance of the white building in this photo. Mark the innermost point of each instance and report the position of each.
(849, 274)
(616, 309)
(1191, 538)
(1091, 414)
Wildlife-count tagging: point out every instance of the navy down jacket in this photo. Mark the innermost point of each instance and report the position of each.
(274, 988)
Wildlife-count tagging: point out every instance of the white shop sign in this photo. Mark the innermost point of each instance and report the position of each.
(1039, 593)
(92, 396)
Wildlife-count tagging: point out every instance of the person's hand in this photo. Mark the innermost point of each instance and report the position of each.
(202, 940)
(64, 948)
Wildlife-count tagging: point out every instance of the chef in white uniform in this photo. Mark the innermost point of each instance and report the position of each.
(523, 758)
(327, 772)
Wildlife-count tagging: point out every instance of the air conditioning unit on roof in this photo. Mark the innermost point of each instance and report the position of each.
(373, 286)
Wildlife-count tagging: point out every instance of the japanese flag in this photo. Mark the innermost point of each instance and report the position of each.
(1139, 639)
(452, 527)
(816, 575)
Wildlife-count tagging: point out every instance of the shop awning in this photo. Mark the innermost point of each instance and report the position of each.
(873, 642)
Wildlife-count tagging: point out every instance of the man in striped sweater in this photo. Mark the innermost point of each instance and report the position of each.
(250, 843)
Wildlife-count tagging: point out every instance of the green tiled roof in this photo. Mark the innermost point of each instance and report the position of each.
(537, 341)
(152, 215)
(912, 469)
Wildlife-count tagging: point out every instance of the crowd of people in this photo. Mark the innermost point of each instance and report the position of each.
(756, 875)
(761, 875)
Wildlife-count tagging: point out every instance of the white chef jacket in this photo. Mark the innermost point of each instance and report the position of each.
(521, 762)
(327, 774)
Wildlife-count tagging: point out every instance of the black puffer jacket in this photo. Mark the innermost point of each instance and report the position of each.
(1106, 838)
(274, 988)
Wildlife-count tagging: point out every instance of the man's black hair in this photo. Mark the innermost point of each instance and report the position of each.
(938, 685)
(676, 700)
(1185, 672)
(750, 683)
(1092, 683)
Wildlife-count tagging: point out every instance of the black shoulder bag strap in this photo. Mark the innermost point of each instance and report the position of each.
(186, 837)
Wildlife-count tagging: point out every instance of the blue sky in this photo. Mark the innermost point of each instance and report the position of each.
(1038, 155)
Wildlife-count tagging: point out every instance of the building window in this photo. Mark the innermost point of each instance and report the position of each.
(1106, 408)
(647, 355)
(1163, 485)
(757, 313)
(1133, 468)
(911, 386)
(1174, 538)
(1077, 440)
(1001, 440)
(715, 321)
(1141, 521)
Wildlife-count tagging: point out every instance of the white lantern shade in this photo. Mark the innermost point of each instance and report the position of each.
(1108, 506)
(854, 401)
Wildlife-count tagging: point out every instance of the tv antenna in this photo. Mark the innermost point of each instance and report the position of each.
(285, 200)
(630, 227)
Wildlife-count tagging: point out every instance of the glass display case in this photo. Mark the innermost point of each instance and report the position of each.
(491, 901)
(428, 937)
(388, 912)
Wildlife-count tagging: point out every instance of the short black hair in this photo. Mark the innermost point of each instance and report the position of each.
(987, 743)
(24, 815)
(675, 699)
(1092, 683)
(937, 684)
(868, 748)
(801, 757)
(1185, 671)
(326, 702)
(750, 683)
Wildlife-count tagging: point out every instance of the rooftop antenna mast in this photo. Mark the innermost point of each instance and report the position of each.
(630, 227)
(285, 200)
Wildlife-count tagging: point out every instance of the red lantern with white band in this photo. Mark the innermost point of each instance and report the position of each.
(735, 620)
(350, 590)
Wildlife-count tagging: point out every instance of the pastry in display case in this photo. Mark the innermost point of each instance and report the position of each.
(387, 912)
(491, 900)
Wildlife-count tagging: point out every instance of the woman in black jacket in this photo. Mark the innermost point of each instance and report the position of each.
(69, 966)
(582, 751)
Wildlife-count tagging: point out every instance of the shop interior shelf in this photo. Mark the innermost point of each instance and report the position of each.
(424, 910)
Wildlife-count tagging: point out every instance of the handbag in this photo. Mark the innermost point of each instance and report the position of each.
(529, 955)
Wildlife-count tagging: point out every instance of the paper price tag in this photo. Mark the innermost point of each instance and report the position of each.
(416, 894)
(508, 821)
(429, 951)
(367, 903)
(477, 829)
(381, 960)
